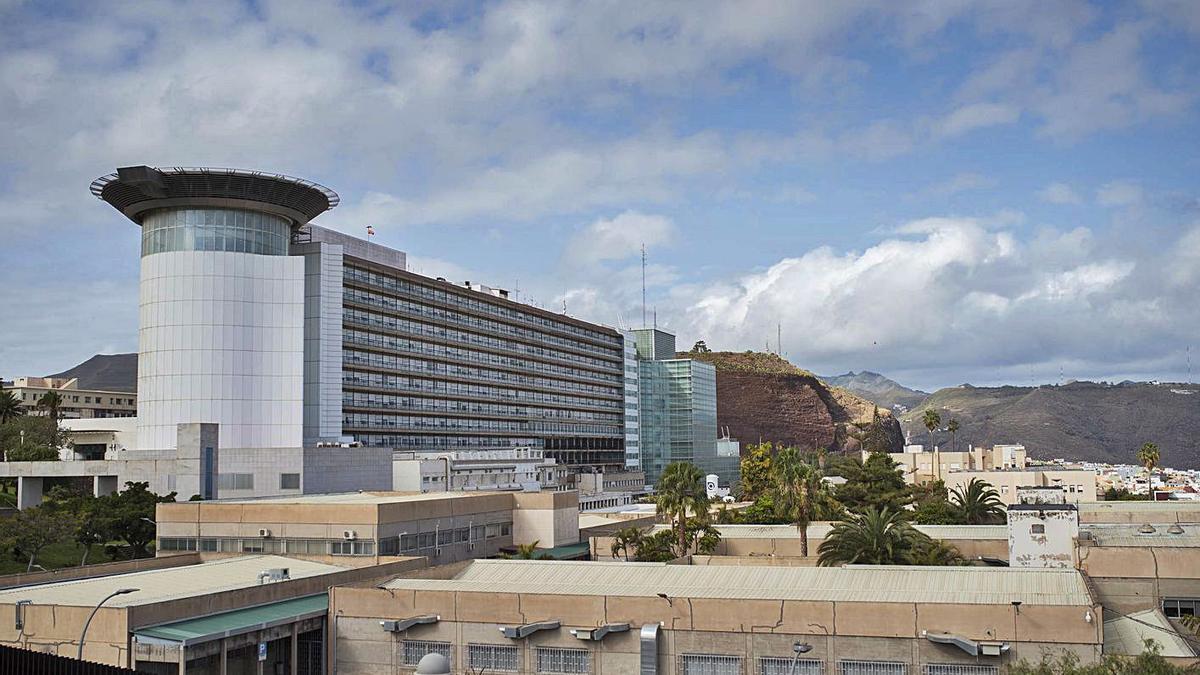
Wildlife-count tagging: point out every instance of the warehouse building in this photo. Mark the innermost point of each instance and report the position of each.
(611, 617)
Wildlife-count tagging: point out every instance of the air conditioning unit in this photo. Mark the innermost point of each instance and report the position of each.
(349, 535)
(471, 546)
(264, 533)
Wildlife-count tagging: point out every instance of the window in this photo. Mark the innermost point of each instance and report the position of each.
(872, 668)
(415, 649)
(352, 548)
(555, 660)
(289, 481)
(957, 669)
(782, 665)
(1037, 528)
(709, 664)
(505, 529)
(505, 658)
(1177, 607)
(235, 481)
(1003, 489)
(209, 545)
(389, 546)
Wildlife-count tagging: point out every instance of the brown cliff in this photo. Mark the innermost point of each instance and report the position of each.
(762, 397)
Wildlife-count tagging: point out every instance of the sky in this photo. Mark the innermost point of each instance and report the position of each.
(939, 191)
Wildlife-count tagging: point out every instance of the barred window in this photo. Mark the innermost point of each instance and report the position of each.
(710, 664)
(957, 669)
(556, 660)
(415, 649)
(872, 668)
(782, 665)
(505, 658)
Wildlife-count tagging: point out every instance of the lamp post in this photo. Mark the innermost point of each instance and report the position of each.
(799, 648)
(120, 591)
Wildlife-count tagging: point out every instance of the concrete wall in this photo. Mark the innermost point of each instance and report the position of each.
(1140, 512)
(1042, 537)
(1129, 579)
(1007, 482)
(550, 518)
(790, 547)
(346, 469)
(747, 628)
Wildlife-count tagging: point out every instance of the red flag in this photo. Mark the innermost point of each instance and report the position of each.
(370, 231)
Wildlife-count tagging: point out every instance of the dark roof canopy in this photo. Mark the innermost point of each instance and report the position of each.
(135, 190)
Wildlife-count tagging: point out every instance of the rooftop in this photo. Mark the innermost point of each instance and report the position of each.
(358, 498)
(1128, 634)
(1129, 535)
(821, 530)
(854, 583)
(161, 585)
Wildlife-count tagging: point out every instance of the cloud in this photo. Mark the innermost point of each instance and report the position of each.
(1119, 193)
(977, 116)
(618, 238)
(1059, 193)
(961, 182)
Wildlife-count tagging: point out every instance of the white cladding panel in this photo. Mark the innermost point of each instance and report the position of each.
(221, 339)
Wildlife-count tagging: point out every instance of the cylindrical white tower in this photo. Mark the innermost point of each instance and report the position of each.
(221, 322)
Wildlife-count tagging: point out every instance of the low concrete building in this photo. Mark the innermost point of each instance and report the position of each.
(1137, 513)
(371, 527)
(1140, 567)
(1078, 485)
(75, 403)
(1042, 535)
(188, 619)
(493, 469)
(921, 466)
(609, 617)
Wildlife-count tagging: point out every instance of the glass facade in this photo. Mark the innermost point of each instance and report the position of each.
(213, 229)
(677, 417)
(431, 366)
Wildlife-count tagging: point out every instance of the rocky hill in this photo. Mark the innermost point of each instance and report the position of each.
(879, 389)
(1081, 420)
(106, 372)
(762, 397)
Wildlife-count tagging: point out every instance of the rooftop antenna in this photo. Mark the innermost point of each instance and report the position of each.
(517, 290)
(564, 305)
(643, 285)
(779, 339)
(655, 318)
(1189, 363)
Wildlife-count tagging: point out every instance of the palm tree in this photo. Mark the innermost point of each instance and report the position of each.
(871, 538)
(799, 491)
(1149, 456)
(10, 406)
(626, 542)
(932, 420)
(953, 426)
(528, 552)
(51, 402)
(978, 503)
(936, 552)
(681, 490)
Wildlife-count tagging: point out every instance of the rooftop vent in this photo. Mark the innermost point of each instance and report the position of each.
(1146, 528)
(1175, 529)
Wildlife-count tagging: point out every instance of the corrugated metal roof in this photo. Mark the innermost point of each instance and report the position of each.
(360, 497)
(239, 621)
(1128, 634)
(821, 530)
(1128, 535)
(166, 584)
(856, 583)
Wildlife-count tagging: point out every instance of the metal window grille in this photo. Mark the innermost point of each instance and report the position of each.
(872, 668)
(709, 664)
(415, 649)
(556, 660)
(958, 669)
(782, 665)
(504, 658)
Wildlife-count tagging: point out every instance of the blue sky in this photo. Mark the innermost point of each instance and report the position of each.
(943, 192)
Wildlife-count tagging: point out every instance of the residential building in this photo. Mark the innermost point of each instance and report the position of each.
(527, 616)
(367, 528)
(921, 466)
(1078, 485)
(75, 403)
(677, 410)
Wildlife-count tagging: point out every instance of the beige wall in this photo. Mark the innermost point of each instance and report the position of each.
(549, 518)
(749, 628)
(790, 547)
(1129, 579)
(1140, 512)
(1007, 482)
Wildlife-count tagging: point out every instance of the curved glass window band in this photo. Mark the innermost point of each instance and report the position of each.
(212, 229)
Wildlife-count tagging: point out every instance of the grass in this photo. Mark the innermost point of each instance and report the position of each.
(54, 556)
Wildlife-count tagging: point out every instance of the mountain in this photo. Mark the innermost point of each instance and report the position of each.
(106, 372)
(875, 387)
(764, 397)
(1079, 421)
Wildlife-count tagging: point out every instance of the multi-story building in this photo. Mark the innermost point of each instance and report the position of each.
(278, 357)
(677, 413)
(74, 403)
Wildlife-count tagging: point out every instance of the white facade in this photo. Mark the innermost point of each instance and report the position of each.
(633, 455)
(221, 341)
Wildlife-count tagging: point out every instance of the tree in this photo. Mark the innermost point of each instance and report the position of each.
(932, 420)
(30, 531)
(700, 348)
(528, 552)
(934, 552)
(88, 520)
(31, 438)
(1148, 456)
(681, 490)
(129, 516)
(953, 426)
(933, 507)
(876, 483)
(755, 471)
(799, 492)
(874, 537)
(978, 503)
(51, 402)
(1149, 662)
(10, 406)
(625, 543)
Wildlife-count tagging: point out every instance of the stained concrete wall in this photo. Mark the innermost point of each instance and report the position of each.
(1130, 579)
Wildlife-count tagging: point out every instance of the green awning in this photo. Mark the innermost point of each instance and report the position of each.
(568, 552)
(208, 628)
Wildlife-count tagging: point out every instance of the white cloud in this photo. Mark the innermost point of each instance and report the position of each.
(1059, 193)
(961, 182)
(618, 238)
(977, 116)
(1119, 193)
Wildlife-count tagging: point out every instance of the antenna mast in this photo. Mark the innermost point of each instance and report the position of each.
(643, 285)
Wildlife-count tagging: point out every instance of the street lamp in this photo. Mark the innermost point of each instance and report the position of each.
(120, 591)
(799, 648)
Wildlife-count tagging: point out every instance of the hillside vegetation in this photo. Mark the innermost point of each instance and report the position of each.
(1081, 420)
